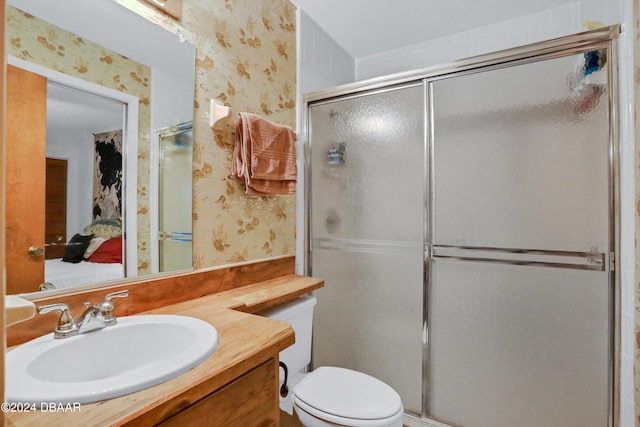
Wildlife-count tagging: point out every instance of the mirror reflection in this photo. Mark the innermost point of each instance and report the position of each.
(108, 100)
(83, 188)
(175, 165)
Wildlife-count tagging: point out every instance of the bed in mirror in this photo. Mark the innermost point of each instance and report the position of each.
(89, 104)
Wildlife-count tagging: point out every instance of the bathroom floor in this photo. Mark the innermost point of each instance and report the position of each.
(287, 420)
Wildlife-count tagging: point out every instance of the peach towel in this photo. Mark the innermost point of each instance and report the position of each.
(264, 156)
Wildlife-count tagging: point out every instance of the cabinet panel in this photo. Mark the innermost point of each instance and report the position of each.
(251, 400)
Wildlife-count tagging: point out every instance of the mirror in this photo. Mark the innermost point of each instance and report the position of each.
(96, 55)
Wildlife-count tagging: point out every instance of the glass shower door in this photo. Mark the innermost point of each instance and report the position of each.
(520, 279)
(366, 235)
(175, 218)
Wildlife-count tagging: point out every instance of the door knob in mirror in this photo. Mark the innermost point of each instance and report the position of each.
(36, 251)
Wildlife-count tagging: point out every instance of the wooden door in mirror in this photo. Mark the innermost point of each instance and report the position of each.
(55, 227)
(25, 179)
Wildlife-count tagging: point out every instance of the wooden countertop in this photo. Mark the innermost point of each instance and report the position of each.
(246, 341)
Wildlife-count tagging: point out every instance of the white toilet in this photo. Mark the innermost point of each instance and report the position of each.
(330, 396)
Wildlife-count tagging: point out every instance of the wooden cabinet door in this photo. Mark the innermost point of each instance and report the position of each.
(26, 120)
(249, 401)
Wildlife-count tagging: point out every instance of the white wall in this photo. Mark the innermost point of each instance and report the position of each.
(624, 14)
(322, 64)
(532, 28)
(78, 149)
(171, 99)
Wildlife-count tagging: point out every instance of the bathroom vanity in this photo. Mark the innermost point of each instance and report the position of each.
(237, 385)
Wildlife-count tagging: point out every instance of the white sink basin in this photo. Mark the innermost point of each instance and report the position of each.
(137, 353)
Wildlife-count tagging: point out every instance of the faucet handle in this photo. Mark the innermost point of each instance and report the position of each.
(66, 325)
(119, 294)
(106, 306)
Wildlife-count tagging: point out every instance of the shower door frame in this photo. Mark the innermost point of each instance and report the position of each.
(601, 38)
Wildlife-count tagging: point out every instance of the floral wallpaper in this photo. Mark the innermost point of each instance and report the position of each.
(246, 58)
(39, 42)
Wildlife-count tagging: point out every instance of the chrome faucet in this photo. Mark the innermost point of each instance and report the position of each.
(95, 316)
(67, 327)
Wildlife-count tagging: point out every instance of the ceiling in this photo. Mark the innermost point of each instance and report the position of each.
(75, 112)
(366, 27)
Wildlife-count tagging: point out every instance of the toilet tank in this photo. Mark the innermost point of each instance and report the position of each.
(298, 313)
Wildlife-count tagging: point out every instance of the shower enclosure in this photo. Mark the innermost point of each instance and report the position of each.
(464, 221)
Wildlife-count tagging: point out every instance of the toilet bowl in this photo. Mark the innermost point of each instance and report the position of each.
(330, 396)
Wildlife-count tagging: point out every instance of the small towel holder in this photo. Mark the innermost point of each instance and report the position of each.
(218, 111)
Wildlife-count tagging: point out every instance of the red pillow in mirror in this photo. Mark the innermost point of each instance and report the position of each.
(109, 252)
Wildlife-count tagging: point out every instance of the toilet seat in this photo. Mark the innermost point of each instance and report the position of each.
(347, 397)
(326, 418)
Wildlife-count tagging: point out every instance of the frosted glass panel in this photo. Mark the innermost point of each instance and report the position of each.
(367, 231)
(518, 346)
(521, 158)
(367, 157)
(369, 317)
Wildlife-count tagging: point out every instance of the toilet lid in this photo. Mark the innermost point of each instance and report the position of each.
(349, 394)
